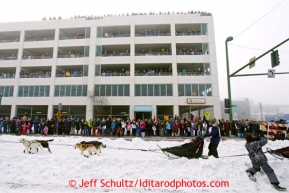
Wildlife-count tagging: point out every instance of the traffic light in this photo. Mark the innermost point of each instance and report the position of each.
(275, 61)
(227, 103)
(227, 110)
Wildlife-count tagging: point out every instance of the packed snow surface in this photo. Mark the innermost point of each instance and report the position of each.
(133, 165)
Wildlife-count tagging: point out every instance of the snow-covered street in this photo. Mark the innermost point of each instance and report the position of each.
(123, 167)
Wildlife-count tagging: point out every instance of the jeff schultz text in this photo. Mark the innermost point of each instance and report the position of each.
(147, 183)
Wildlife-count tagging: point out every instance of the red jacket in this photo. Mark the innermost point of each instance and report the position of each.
(142, 125)
(227, 125)
(176, 126)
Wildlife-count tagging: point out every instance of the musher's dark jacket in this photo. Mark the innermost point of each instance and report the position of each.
(256, 153)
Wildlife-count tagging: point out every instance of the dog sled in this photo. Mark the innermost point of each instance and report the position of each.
(279, 153)
(191, 150)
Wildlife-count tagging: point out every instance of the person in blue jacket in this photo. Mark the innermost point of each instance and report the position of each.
(213, 131)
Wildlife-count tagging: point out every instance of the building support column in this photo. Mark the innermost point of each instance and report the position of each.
(50, 112)
(13, 111)
(176, 110)
(154, 111)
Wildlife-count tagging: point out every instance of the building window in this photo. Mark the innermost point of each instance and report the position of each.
(137, 90)
(126, 90)
(70, 90)
(7, 91)
(195, 90)
(111, 90)
(33, 91)
(153, 90)
(120, 90)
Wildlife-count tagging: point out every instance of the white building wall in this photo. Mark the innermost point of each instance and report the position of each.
(132, 41)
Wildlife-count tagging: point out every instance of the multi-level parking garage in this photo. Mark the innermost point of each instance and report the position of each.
(143, 66)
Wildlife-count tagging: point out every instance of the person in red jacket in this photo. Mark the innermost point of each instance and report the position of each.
(227, 128)
(118, 131)
(192, 117)
(24, 127)
(176, 128)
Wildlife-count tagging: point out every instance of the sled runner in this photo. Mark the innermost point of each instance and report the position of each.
(279, 153)
(189, 150)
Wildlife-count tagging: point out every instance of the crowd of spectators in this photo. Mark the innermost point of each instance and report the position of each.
(154, 72)
(240, 127)
(122, 72)
(202, 13)
(189, 32)
(70, 54)
(117, 126)
(193, 72)
(112, 34)
(42, 38)
(51, 18)
(116, 53)
(37, 56)
(25, 125)
(75, 73)
(154, 33)
(9, 57)
(151, 52)
(77, 36)
(7, 75)
(184, 51)
(16, 39)
(36, 38)
(36, 74)
(157, 72)
(91, 17)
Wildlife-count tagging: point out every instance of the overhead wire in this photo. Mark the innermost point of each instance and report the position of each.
(253, 48)
(259, 19)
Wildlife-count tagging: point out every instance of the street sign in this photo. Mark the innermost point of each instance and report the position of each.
(271, 73)
(59, 106)
(234, 106)
(58, 114)
(253, 64)
(227, 110)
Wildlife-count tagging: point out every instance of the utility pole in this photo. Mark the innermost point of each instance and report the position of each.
(228, 80)
(260, 104)
(252, 61)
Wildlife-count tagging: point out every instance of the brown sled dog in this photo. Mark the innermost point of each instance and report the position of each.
(45, 143)
(90, 148)
(96, 143)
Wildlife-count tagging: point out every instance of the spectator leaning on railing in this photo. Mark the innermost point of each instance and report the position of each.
(91, 17)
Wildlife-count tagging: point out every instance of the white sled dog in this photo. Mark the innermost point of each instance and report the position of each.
(29, 145)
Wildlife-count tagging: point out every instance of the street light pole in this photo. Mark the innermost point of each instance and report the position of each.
(1, 95)
(261, 111)
(228, 80)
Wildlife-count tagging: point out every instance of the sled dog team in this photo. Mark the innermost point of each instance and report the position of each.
(89, 146)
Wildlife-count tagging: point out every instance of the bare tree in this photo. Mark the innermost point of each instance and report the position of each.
(98, 101)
